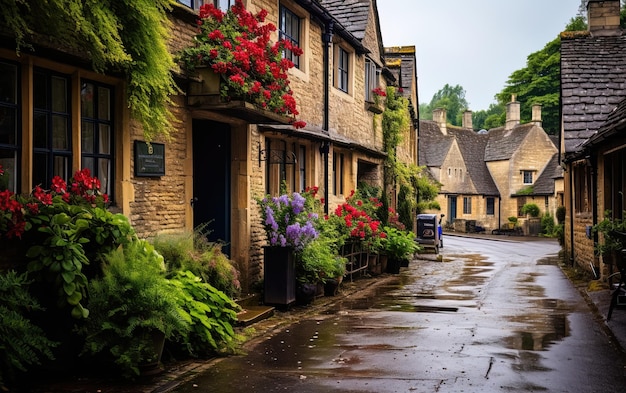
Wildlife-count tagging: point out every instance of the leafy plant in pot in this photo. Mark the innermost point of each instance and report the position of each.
(399, 246)
(613, 230)
(318, 262)
(132, 306)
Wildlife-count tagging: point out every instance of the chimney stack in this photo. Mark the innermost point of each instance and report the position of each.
(537, 115)
(467, 119)
(440, 117)
(512, 113)
(603, 17)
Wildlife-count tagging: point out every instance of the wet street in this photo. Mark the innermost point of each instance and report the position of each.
(493, 316)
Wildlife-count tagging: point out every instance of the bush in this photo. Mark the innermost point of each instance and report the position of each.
(129, 303)
(211, 315)
(22, 343)
(399, 244)
(531, 209)
(191, 251)
(547, 225)
(560, 214)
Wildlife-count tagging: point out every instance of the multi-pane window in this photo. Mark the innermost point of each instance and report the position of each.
(528, 177)
(52, 150)
(521, 201)
(223, 5)
(289, 30)
(491, 206)
(285, 163)
(97, 132)
(371, 79)
(342, 69)
(9, 124)
(467, 205)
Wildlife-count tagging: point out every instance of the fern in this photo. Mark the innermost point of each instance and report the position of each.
(22, 344)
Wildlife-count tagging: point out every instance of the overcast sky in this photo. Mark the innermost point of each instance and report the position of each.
(476, 44)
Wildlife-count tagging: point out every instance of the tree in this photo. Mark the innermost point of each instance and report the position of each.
(490, 118)
(452, 99)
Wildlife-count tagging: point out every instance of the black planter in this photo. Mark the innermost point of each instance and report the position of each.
(331, 287)
(279, 276)
(393, 265)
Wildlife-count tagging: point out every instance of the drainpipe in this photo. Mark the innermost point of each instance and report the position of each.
(327, 39)
(571, 215)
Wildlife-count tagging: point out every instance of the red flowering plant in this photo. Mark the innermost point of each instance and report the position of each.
(236, 45)
(358, 222)
(63, 229)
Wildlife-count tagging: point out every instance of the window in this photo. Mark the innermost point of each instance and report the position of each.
(284, 163)
(528, 177)
(582, 188)
(371, 79)
(338, 166)
(195, 4)
(97, 132)
(491, 206)
(52, 154)
(467, 205)
(342, 69)
(289, 30)
(9, 125)
(520, 204)
(615, 182)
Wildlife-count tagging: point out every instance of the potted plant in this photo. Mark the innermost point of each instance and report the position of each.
(399, 246)
(512, 222)
(290, 224)
(613, 232)
(236, 46)
(133, 310)
(319, 264)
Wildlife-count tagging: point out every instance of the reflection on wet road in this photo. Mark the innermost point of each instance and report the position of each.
(493, 316)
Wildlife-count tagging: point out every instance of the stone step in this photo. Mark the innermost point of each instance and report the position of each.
(251, 314)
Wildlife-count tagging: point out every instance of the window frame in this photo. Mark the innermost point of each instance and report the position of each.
(283, 163)
(12, 172)
(338, 173)
(290, 35)
(467, 205)
(97, 155)
(372, 79)
(51, 153)
(527, 177)
(490, 207)
(342, 69)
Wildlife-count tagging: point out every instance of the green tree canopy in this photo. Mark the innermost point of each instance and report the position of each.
(452, 99)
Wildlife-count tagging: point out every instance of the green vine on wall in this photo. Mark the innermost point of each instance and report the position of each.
(124, 36)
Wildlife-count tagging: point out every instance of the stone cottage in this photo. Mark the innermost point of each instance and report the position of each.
(488, 176)
(593, 83)
(221, 155)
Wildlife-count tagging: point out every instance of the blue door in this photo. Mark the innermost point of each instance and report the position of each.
(451, 209)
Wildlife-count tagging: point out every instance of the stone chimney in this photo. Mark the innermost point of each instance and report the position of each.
(467, 119)
(537, 115)
(440, 117)
(512, 113)
(603, 17)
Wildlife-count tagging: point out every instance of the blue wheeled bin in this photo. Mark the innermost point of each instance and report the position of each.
(429, 231)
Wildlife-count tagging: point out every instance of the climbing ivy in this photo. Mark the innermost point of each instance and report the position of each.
(118, 36)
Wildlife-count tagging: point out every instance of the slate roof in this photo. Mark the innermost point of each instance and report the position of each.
(504, 143)
(352, 14)
(473, 147)
(593, 82)
(544, 185)
(615, 123)
(434, 147)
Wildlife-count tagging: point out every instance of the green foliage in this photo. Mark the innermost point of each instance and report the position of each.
(547, 225)
(69, 237)
(406, 202)
(531, 209)
(399, 244)
(128, 36)
(512, 219)
(452, 98)
(210, 313)
(560, 214)
(22, 344)
(129, 303)
(192, 251)
(613, 231)
(493, 117)
(318, 261)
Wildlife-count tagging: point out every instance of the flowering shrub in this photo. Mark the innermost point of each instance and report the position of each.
(379, 92)
(236, 45)
(290, 220)
(358, 223)
(14, 209)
